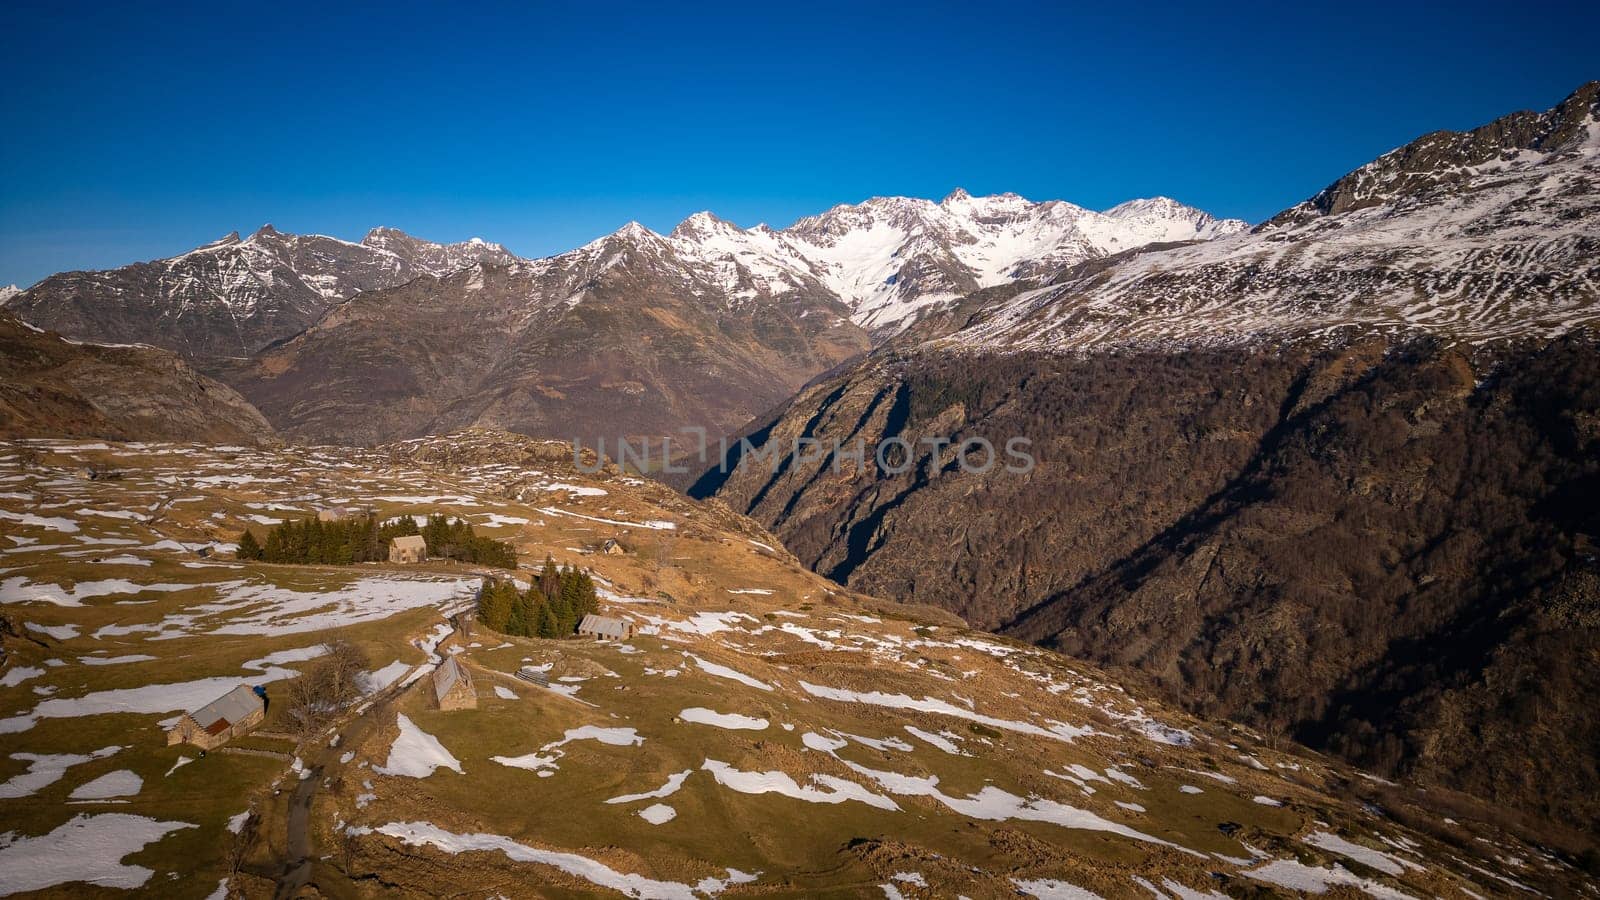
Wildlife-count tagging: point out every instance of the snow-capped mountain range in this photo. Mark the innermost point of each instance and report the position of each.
(887, 260)
(890, 258)
(233, 296)
(1473, 236)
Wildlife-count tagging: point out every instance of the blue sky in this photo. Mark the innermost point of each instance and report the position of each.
(132, 133)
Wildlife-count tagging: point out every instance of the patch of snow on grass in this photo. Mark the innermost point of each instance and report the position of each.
(18, 674)
(993, 804)
(1053, 889)
(46, 769)
(721, 671)
(828, 789)
(674, 782)
(581, 490)
(1297, 876)
(85, 849)
(658, 814)
(1057, 731)
(382, 678)
(59, 632)
(1386, 863)
(115, 660)
(655, 525)
(121, 783)
(419, 834)
(416, 753)
(53, 523)
(730, 721)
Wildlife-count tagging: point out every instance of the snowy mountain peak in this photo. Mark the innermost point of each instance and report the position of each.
(1163, 219)
(226, 240)
(7, 292)
(265, 231)
(1148, 206)
(633, 231)
(893, 258)
(701, 223)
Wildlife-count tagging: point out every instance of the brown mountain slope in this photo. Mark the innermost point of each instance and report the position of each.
(621, 338)
(621, 341)
(50, 387)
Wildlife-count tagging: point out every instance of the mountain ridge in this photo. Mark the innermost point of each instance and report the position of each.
(280, 283)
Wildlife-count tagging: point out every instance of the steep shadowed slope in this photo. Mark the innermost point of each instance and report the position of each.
(1334, 478)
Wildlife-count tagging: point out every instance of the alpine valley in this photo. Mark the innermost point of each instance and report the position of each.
(1300, 593)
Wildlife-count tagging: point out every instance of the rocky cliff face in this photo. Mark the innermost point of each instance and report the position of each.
(1335, 478)
(50, 387)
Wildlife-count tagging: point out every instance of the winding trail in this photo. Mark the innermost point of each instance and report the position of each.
(298, 866)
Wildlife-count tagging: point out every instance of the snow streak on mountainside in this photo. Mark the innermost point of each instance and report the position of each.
(1473, 236)
(233, 297)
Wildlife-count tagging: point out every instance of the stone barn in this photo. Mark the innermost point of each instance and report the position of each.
(605, 627)
(452, 686)
(221, 720)
(613, 547)
(410, 548)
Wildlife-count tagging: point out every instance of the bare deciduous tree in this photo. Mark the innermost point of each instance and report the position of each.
(330, 685)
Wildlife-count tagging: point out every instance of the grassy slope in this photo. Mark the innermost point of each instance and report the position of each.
(800, 848)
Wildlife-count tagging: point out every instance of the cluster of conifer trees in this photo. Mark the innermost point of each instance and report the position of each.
(366, 539)
(551, 607)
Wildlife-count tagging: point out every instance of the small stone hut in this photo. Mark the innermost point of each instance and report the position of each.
(605, 627)
(409, 548)
(612, 547)
(221, 720)
(452, 686)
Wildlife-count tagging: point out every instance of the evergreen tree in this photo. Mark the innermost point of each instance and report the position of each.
(518, 624)
(566, 624)
(588, 600)
(248, 548)
(273, 551)
(549, 580)
(572, 596)
(548, 626)
(495, 608)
